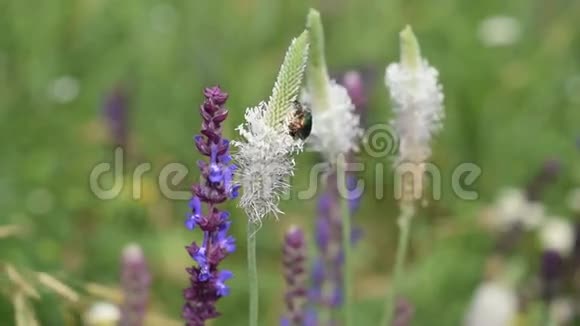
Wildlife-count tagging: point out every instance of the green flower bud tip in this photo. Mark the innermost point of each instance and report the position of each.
(410, 51)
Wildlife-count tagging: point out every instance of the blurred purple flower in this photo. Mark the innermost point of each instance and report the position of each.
(326, 284)
(576, 249)
(358, 83)
(207, 282)
(294, 260)
(115, 111)
(552, 270)
(135, 282)
(311, 318)
(354, 83)
(544, 177)
(403, 313)
(509, 239)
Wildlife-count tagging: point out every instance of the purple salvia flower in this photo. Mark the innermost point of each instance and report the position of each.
(207, 282)
(135, 282)
(115, 111)
(294, 260)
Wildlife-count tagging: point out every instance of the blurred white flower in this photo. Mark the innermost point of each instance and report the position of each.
(498, 31)
(492, 304)
(264, 156)
(64, 89)
(512, 208)
(102, 314)
(335, 125)
(562, 311)
(265, 163)
(557, 234)
(336, 128)
(574, 200)
(417, 101)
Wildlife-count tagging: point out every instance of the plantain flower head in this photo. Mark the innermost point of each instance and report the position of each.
(266, 149)
(417, 99)
(336, 127)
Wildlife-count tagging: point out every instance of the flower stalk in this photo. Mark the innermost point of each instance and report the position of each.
(265, 154)
(335, 133)
(404, 223)
(266, 150)
(418, 106)
(346, 244)
(253, 285)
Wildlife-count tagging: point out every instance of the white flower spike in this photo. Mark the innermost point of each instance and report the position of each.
(417, 100)
(335, 127)
(265, 156)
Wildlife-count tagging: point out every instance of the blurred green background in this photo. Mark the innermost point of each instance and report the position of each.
(508, 109)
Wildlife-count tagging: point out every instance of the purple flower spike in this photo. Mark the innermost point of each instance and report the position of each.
(116, 117)
(135, 282)
(326, 290)
(311, 318)
(403, 313)
(294, 259)
(546, 176)
(552, 269)
(207, 284)
(354, 84)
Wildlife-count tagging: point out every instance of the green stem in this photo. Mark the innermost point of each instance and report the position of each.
(346, 243)
(404, 222)
(252, 274)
